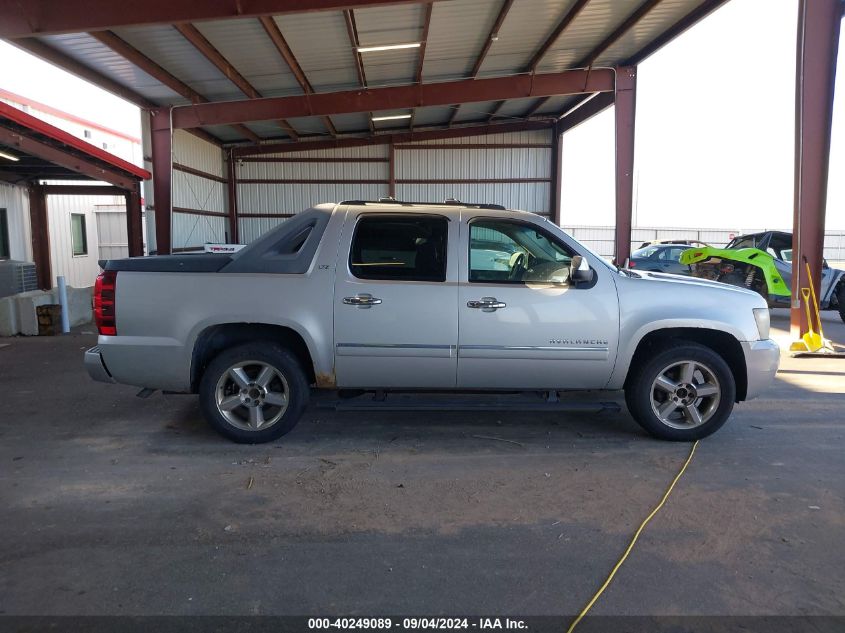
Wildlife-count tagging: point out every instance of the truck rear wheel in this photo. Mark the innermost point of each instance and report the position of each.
(253, 393)
(682, 393)
(841, 298)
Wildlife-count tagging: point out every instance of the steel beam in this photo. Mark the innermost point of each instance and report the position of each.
(45, 17)
(134, 232)
(621, 30)
(82, 190)
(40, 233)
(556, 189)
(586, 110)
(565, 21)
(48, 54)
(279, 41)
(232, 201)
(73, 161)
(161, 136)
(626, 101)
(367, 100)
(384, 139)
(137, 58)
(207, 50)
(690, 19)
(815, 77)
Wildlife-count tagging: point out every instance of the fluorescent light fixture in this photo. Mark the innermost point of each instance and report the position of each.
(392, 117)
(9, 156)
(387, 47)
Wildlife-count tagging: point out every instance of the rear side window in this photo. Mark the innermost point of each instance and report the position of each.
(406, 248)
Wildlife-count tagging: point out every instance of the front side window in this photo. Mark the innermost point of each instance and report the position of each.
(400, 247)
(509, 251)
(4, 234)
(78, 234)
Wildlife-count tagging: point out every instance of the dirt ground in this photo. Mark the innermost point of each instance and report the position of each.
(114, 505)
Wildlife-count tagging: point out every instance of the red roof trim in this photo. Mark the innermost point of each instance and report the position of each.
(67, 116)
(39, 126)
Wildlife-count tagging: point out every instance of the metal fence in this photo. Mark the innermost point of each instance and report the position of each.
(601, 238)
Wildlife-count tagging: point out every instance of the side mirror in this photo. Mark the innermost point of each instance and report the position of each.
(580, 271)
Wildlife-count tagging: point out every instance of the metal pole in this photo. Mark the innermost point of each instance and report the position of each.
(815, 76)
(626, 101)
(162, 143)
(60, 280)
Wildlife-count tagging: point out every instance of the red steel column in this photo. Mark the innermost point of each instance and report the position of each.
(391, 170)
(40, 236)
(818, 44)
(133, 221)
(162, 146)
(626, 102)
(556, 182)
(232, 188)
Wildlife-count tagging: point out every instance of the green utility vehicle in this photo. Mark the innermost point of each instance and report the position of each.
(763, 262)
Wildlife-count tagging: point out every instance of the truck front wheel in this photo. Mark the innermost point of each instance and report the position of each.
(682, 393)
(253, 393)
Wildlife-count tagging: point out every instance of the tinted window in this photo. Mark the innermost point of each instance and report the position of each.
(406, 247)
(78, 234)
(508, 251)
(4, 235)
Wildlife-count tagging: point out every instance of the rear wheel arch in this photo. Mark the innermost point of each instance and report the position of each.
(217, 338)
(723, 343)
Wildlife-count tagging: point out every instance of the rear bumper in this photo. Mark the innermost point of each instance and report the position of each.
(95, 366)
(761, 361)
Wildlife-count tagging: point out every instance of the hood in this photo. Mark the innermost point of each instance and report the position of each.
(647, 277)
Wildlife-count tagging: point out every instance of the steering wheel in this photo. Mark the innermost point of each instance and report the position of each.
(517, 264)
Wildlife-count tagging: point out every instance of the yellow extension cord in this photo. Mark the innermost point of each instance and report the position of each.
(633, 541)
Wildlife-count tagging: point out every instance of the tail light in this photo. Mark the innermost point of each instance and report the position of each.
(104, 302)
(632, 264)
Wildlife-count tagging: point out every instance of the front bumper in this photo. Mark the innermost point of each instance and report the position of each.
(761, 361)
(96, 367)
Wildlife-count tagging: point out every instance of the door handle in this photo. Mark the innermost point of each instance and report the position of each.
(362, 301)
(488, 304)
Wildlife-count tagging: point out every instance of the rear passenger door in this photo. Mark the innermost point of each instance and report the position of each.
(395, 303)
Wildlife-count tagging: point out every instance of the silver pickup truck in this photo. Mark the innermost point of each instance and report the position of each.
(388, 296)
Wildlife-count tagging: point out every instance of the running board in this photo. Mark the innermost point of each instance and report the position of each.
(422, 403)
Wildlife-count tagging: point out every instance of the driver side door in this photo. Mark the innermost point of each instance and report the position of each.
(522, 325)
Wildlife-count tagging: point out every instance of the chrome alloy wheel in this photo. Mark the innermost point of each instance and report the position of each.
(252, 395)
(685, 394)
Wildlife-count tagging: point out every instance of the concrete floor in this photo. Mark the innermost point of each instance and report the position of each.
(117, 505)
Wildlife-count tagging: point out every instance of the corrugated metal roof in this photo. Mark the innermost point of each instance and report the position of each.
(245, 44)
(321, 44)
(170, 50)
(457, 35)
(85, 49)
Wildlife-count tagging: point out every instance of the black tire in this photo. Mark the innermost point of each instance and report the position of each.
(288, 380)
(840, 296)
(710, 370)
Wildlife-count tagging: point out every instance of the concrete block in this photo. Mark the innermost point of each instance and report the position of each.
(26, 304)
(8, 316)
(79, 304)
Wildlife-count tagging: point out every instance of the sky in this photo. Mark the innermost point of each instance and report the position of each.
(714, 135)
(715, 129)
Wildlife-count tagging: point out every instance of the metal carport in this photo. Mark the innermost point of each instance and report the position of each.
(267, 78)
(42, 152)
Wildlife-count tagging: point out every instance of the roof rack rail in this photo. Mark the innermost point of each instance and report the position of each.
(448, 202)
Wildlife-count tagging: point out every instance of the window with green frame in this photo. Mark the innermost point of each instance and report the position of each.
(78, 234)
(4, 234)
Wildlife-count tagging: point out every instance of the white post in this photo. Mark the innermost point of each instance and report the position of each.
(63, 302)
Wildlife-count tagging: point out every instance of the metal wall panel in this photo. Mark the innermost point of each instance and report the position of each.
(16, 202)
(475, 163)
(193, 231)
(194, 152)
(291, 199)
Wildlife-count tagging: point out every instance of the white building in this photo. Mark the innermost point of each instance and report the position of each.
(82, 228)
